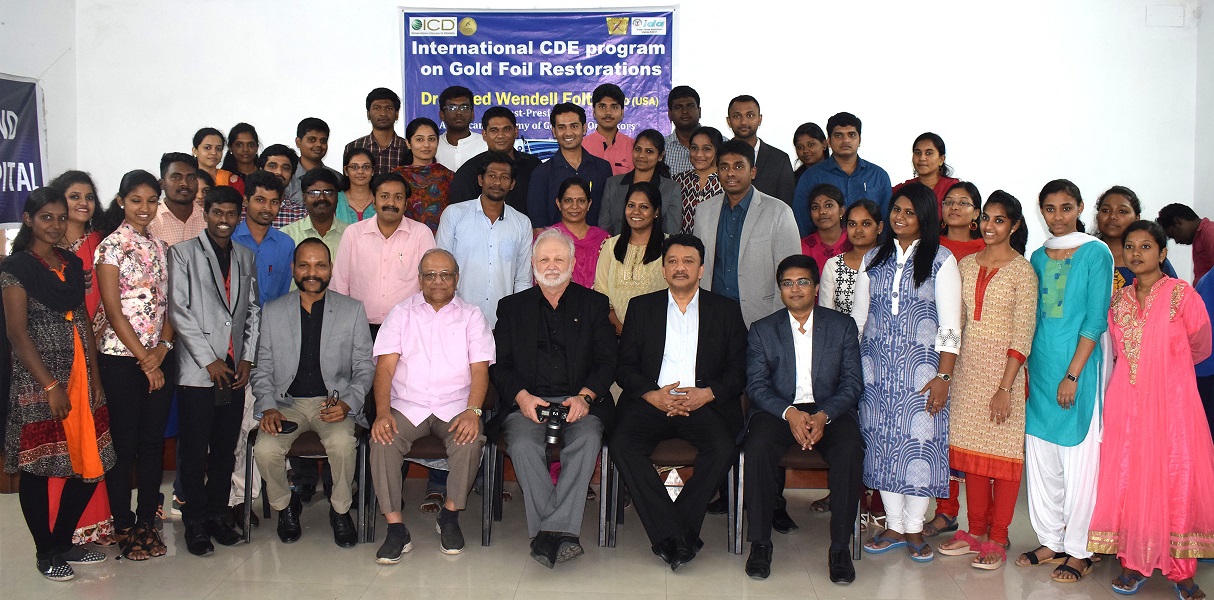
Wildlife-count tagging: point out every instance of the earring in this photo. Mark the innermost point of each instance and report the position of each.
(973, 226)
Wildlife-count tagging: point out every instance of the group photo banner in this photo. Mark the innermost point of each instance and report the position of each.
(22, 145)
(530, 61)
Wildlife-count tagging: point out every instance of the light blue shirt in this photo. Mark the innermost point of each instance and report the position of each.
(494, 258)
(273, 257)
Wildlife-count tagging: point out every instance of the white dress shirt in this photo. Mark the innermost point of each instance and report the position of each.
(453, 157)
(803, 349)
(682, 343)
(947, 291)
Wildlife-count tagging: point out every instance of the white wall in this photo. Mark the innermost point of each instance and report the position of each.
(1022, 92)
(1203, 181)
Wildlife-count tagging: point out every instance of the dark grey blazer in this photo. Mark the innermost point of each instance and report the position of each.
(774, 176)
(611, 213)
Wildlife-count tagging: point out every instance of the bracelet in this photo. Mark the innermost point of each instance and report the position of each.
(51, 386)
(1003, 389)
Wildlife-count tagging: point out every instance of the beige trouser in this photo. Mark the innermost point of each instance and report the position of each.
(340, 446)
(463, 459)
(247, 423)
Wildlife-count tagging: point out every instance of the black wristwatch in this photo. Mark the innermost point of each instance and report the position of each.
(944, 376)
(589, 400)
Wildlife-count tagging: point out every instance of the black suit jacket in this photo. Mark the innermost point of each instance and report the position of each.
(720, 356)
(774, 176)
(771, 363)
(590, 344)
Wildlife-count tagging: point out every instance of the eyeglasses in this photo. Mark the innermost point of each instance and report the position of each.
(457, 107)
(360, 167)
(445, 276)
(958, 204)
(802, 282)
(319, 193)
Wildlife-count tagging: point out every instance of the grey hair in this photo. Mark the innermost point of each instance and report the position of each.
(437, 251)
(553, 233)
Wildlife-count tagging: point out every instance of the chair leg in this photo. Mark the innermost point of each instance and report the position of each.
(740, 503)
(360, 475)
(617, 502)
(248, 486)
(855, 540)
(499, 475)
(487, 492)
(732, 516)
(605, 503)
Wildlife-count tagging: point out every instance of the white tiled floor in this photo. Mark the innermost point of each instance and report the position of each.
(315, 568)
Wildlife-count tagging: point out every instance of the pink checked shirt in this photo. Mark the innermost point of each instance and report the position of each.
(436, 348)
(380, 271)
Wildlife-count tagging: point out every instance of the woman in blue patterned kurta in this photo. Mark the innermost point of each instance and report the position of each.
(908, 304)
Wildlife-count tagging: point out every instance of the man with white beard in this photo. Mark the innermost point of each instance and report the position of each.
(556, 352)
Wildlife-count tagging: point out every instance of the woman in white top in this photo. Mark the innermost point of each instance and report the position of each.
(863, 222)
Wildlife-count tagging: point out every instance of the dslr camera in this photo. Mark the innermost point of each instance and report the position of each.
(553, 416)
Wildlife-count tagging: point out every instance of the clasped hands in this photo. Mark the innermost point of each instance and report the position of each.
(678, 401)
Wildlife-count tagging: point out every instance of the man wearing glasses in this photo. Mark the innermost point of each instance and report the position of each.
(458, 144)
(320, 199)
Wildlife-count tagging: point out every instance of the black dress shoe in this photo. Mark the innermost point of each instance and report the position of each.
(197, 541)
(344, 534)
(781, 522)
(758, 564)
(289, 529)
(221, 533)
(841, 568)
(543, 548)
(306, 491)
(568, 547)
(719, 506)
(235, 518)
(683, 554)
(665, 549)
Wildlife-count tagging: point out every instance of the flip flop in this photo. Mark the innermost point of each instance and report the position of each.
(820, 506)
(1129, 584)
(1031, 556)
(988, 549)
(1186, 593)
(879, 538)
(916, 552)
(433, 503)
(971, 546)
(1065, 568)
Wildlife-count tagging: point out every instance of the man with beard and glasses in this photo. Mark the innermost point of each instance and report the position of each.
(377, 260)
(313, 369)
(383, 108)
(320, 188)
(490, 238)
(555, 349)
(182, 218)
(281, 162)
(499, 128)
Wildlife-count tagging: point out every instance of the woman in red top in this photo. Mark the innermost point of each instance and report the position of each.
(241, 159)
(826, 209)
(429, 181)
(927, 158)
(84, 225)
(960, 220)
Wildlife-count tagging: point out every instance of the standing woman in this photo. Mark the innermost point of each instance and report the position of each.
(962, 235)
(700, 183)
(1156, 455)
(648, 165)
(1116, 209)
(986, 420)
(573, 201)
(84, 225)
(810, 143)
(927, 159)
(829, 239)
(864, 227)
(908, 304)
(132, 269)
(356, 202)
(628, 264)
(430, 181)
(208, 149)
(58, 424)
(241, 159)
(1066, 385)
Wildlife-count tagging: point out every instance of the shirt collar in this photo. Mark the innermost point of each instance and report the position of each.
(899, 255)
(742, 206)
(419, 301)
(695, 300)
(318, 307)
(796, 326)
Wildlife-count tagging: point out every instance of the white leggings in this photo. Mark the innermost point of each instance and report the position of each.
(904, 514)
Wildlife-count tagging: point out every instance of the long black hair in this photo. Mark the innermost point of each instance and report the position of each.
(35, 202)
(115, 214)
(1015, 212)
(923, 202)
(653, 249)
(69, 178)
(410, 129)
(1066, 187)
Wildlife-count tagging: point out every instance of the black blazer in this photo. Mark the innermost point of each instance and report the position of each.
(720, 356)
(774, 176)
(590, 343)
(771, 364)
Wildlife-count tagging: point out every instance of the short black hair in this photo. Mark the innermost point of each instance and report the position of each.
(455, 91)
(1171, 214)
(383, 94)
(843, 119)
(278, 150)
(498, 158)
(498, 112)
(736, 146)
(389, 177)
(318, 175)
(169, 158)
(743, 98)
(222, 194)
(311, 241)
(262, 179)
(683, 239)
(311, 124)
(607, 90)
(798, 261)
(567, 107)
(680, 92)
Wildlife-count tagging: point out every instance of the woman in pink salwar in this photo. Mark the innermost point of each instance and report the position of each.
(1157, 458)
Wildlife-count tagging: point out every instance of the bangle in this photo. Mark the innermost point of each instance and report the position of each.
(51, 386)
(1003, 389)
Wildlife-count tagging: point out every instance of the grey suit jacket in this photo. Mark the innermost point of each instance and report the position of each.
(611, 213)
(769, 235)
(205, 318)
(345, 352)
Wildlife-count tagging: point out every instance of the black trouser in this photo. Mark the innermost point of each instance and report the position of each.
(35, 506)
(640, 428)
(1205, 389)
(841, 446)
(137, 420)
(207, 446)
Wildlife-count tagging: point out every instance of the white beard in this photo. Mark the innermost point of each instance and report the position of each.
(553, 281)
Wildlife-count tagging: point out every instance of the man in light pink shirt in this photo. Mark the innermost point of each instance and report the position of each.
(433, 354)
(607, 141)
(378, 257)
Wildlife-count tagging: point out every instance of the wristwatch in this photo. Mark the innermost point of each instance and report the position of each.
(476, 410)
(589, 400)
(166, 344)
(944, 376)
(1072, 377)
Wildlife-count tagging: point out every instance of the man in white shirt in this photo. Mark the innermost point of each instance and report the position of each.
(457, 144)
(682, 370)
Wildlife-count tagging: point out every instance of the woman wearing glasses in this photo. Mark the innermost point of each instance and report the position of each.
(356, 202)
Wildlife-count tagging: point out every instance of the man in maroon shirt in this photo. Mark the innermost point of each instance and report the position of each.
(1184, 226)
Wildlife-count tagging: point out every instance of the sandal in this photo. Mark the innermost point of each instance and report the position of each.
(1188, 593)
(1065, 568)
(871, 546)
(130, 544)
(433, 503)
(153, 543)
(950, 524)
(917, 555)
(990, 549)
(1127, 585)
(868, 519)
(821, 506)
(972, 545)
(591, 496)
(1031, 557)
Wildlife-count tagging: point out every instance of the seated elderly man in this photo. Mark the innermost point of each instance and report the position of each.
(431, 376)
(556, 355)
(313, 341)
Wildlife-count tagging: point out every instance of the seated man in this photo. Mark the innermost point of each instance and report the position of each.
(556, 351)
(313, 340)
(682, 369)
(805, 381)
(431, 376)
